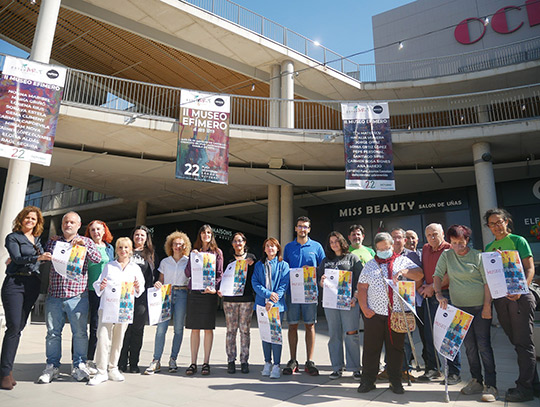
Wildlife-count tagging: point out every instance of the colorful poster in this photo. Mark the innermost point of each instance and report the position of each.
(203, 140)
(304, 285)
(337, 292)
(504, 273)
(68, 260)
(159, 304)
(406, 291)
(203, 270)
(368, 146)
(449, 330)
(234, 278)
(117, 302)
(269, 325)
(30, 96)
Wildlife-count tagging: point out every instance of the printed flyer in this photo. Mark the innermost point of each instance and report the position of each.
(405, 290)
(269, 325)
(68, 260)
(203, 270)
(304, 285)
(234, 277)
(449, 330)
(159, 304)
(118, 302)
(337, 289)
(504, 273)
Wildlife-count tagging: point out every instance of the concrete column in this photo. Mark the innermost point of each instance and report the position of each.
(287, 214)
(273, 211)
(18, 171)
(142, 207)
(485, 184)
(287, 92)
(275, 93)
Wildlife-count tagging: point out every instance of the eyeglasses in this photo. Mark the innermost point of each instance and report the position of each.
(500, 222)
(302, 227)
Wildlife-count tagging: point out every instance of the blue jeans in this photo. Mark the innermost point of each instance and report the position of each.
(75, 310)
(340, 322)
(430, 308)
(478, 346)
(272, 348)
(179, 305)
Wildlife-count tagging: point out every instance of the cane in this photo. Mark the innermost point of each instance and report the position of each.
(409, 335)
(433, 336)
(446, 396)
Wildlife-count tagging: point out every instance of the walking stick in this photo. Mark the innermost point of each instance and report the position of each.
(433, 336)
(446, 396)
(411, 342)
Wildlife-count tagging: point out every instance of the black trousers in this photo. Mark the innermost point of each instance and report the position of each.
(517, 320)
(133, 339)
(19, 293)
(93, 320)
(376, 332)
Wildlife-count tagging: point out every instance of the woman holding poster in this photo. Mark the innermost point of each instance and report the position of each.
(21, 285)
(270, 283)
(239, 309)
(470, 293)
(202, 303)
(343, 322)
(117, 274)
(516, 312)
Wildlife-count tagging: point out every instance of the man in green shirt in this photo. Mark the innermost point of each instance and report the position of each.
(356, 237)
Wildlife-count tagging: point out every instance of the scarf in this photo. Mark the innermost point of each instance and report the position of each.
(390, 266)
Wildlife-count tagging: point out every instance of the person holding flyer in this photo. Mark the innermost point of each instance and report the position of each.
(67, 300)
(172, 271)
(202, 304)
(516, 312)
(343, 324)
(270, 283)
(111, 335)
(239, 309)
(470, 293)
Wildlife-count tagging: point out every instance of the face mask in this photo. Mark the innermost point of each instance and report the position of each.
(385, 254)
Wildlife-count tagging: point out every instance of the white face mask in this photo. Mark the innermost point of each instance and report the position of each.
(385, 254)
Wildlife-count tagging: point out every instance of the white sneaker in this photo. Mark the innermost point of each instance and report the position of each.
(49, 374)
(173, 367)
(91, 366)
(98, 379)
(490, 394)
(267, 369)
(276, 372)
(80, 373)
(116, 376)
(154, 367)
(473, 387)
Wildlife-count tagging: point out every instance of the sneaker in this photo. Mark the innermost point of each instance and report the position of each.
(173, 367)
(80, 373)
(407, 375)
(455, 379)
(365, 387)
(244, 367)
(292, 367)
(155, 366)
(335, 375)
(134, 369)
(276, 372)
(357, 375)
(519, 395)
(91, 366)
(267, 369)
(473, 387)
(397, 388)
(98, 379)
(429, 376)
(311, 369)
(231, 368)
(490, 394)
(116, 376)
(49, 374)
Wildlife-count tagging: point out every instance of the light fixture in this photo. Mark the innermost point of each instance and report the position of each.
(400, 46)
(252, 87)
(486, 21)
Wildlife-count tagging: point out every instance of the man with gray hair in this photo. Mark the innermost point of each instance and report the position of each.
(67, 299)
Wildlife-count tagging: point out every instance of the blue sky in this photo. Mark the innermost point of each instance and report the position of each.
(343, 26)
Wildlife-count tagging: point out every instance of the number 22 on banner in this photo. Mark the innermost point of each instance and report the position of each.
(369, 184)
(191, 170)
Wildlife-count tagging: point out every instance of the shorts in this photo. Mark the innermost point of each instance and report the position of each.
(301, 312)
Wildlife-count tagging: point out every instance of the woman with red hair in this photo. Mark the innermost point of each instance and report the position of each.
(99, 232)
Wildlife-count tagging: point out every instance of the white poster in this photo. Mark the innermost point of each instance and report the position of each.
(337, 289)
(117, 302)
(203, 270)
(504, 273)
(68, 260)
(159, 304)
(449, 330)
(303, 283)
(406, 290)
(269, 325)
(234, 278)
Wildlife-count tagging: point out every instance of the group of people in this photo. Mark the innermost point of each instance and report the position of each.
(444, 273)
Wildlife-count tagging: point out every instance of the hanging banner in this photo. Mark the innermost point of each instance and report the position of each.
(68, 260)
(368, 146)
(303, 283)
(203, 270)
(30, 96)
(337, 292)
(234, 277)
(269, 325)
(203, 140)
(449, 330)
(504, 273)
(117, 302)
(159, 304)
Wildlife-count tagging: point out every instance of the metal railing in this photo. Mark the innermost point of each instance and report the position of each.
(65, 199)
(139, 99)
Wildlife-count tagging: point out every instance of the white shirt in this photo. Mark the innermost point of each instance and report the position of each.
(114, 274)
(377, 297)
(173, 271)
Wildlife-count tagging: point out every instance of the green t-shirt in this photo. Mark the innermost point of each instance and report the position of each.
(467, 278)
(364, 253)
(95, 269)
(511, 242)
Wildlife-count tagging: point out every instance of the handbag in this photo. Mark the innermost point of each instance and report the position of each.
(400, 320)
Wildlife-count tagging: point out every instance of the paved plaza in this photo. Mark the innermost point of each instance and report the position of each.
(222, 389)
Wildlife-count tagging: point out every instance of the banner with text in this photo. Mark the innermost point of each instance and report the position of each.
(30, 96)
(368, 146)
(203, 142)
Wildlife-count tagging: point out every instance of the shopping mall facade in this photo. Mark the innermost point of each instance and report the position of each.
(461, 79)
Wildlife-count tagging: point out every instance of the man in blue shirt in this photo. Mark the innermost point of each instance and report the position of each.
(302, 252)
